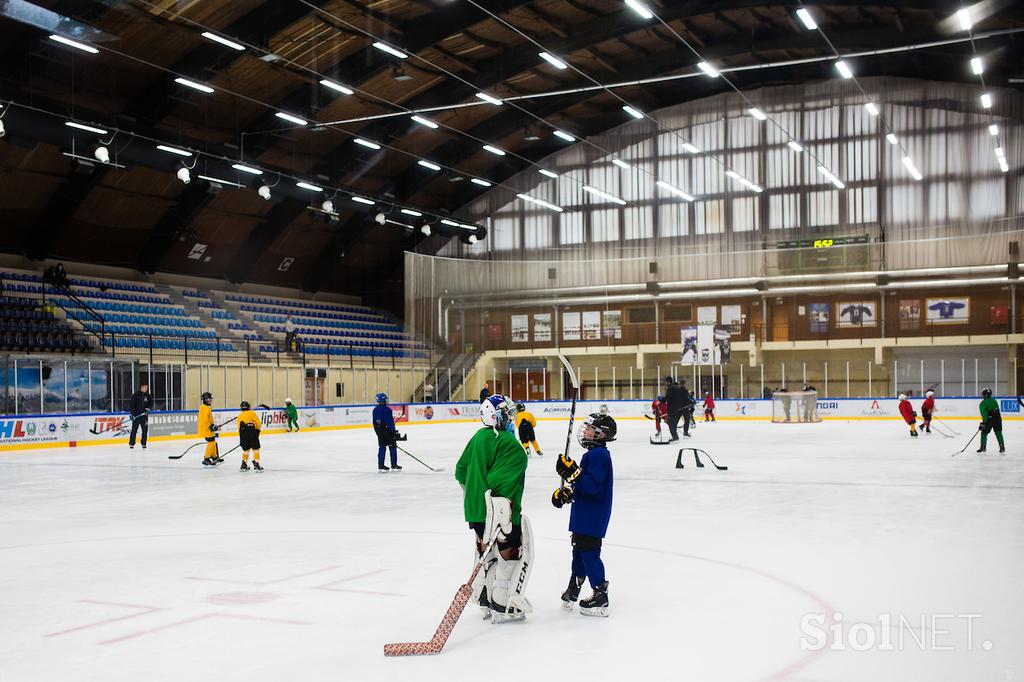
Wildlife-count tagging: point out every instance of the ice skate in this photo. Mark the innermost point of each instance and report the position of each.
(572, 592)
(244, 467)
(597, 604)
(256, 466)
(382, 468)
(395, 467)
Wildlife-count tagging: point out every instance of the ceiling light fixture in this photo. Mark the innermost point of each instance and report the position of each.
(795, 146)
(363, 200)
(223, 41)
(184, 175)
(219, 181)
(640, 9)
(757, 113)
(291, 119)
(911, 168)
(494, 150)
(603, 195)
(366, 143)
(872, 109)
(844, 69)
(74, 43)
(806, 19)
(424, 121)
(977, 66)
(621, 164)
(428, 164)
(264, 192)
(338, 87)
(993, 130)
(309, 186)
(194, 85)
(964, 17)
(488, 98)
(891, 139)
(986, 101)
(831, 177)
(86, 128)
(327, 206)
(673, 190)
(553, 61)
(690, 147)
(478, 181)
(547, 173)
(708, 69)
(409, 211)
(449, 223)
(173, 150)
(540, 202)
(246, 169)
(384, 47)
(565, 136)
(635, 113)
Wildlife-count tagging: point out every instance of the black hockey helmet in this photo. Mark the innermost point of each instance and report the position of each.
(207, 397)
(596, 429)
(986, 393)
(521, 407)
(245, 405)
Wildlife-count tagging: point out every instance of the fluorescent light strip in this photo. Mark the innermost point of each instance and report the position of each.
(743, 181)
(494, 150)
(565, 136)
(424, 121)
(540, 202)
(795, 146)
(690, 147)
(246, 169)
(88, 129)
(999, 153)
(311, 188)
(74, 43)
(194, 85)
(911, 168)
(409, 211)
(478, 181)
(487, 98)
(173, 150)
(806, 19)
(428, 164)
(366, 143)
(384, 47)
(337, 87)
(449, 223)
(673, 190)
(831, 177)
(891, 139)
(220, 181)
(223, 41)
(993, 130)
(986, 101)
(621, 164)
(844, 69)
(872, 108)
(551, 174)
(708, 69)
(757, 113)
(639, 9)
(635, 113)
(603, 195)
(363, 200)
(553, 61)
(291, 119)
(964, 17)
(977, 66)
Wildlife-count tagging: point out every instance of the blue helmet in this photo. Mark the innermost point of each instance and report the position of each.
(382, 397)
(499, 413)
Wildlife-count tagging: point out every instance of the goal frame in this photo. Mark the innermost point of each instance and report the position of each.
(795, 407)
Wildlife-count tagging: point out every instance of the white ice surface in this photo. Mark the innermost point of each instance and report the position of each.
(118, 565)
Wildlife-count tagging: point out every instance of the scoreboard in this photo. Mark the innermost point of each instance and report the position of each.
(824, 254)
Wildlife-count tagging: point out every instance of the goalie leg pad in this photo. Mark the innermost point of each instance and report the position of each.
(507, 590)
(499, 517)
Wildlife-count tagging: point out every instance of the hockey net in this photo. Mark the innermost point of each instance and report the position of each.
(795, 407)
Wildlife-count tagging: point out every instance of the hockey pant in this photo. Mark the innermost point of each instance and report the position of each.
(211, 451)
(987, 428)
(293, 422)
(586, 558)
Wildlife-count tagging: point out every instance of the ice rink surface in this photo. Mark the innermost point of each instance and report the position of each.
(119, 565)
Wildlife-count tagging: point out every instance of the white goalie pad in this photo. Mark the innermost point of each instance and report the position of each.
(507, 588)
(499, 517)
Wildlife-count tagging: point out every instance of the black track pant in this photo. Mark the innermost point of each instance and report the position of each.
(673, 423)
(143, 422)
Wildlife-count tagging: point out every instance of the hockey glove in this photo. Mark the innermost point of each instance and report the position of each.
(561, 496)
(567, 468)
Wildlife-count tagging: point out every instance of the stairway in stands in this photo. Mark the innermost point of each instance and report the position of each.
(213, 316)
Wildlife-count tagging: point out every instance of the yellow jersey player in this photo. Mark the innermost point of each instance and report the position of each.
(526, 423)
(208, 431)
(249, 436)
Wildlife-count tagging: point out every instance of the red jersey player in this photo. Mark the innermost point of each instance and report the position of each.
(709, 407)
(660, 410)
(927, 408)
(908, 414)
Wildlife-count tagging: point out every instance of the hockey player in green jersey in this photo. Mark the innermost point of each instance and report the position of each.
(991, 420)
(492, 473)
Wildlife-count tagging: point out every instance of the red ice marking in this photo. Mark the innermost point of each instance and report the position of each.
(146, 610)
(234, 581)
(329, 587)
(235, 598)
(205, 616)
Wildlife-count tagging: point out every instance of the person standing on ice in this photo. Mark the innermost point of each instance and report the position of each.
(139, 406)
(908, 414)
(991, 420)
(709, 407)
(492, 473)
(292, 413)
(660, 411)
(527, 425)
(384, 427)
(207, 430)
(927, 409)
(589, 490)
(676, 398)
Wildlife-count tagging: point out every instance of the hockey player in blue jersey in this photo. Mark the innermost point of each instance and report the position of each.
(384, 427)
(589, 491)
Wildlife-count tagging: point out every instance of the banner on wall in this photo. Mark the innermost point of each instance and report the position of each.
(612, 323)
(592, 325)
(856, 314)
(542, 327)
(520, 329)
(706, 344)
(571, 326)
(948, 310)
(818, 313)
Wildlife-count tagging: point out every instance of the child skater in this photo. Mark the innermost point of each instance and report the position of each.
(208, 430)
(589, 490)
(249, 436)
(660, 410)
(927, 409)
(527, 423)
(908, 414)
(709, 407)
(384, 427)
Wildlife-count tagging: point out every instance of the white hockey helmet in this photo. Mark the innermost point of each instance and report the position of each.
(929, 394)
(287, 400)
(498, 412)
(903, 396)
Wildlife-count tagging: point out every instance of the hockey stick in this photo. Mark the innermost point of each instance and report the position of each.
(968, 442)
(451, 616)
(409, 454)
(938, 429)
(131, 420)
(216, 428)
(947, 426)
(696, 459)
(572, 411)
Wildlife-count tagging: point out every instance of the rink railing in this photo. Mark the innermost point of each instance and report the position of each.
(104, 428)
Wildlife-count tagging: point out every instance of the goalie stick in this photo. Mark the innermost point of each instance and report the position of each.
(696, 459)
(451, 616)
(409, 454)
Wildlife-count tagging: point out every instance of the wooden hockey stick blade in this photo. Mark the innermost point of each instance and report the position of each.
(444, 630)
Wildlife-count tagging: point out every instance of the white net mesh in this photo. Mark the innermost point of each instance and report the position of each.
(793, 407)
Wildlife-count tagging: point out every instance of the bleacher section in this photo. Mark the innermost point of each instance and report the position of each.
(26, 327)
(239, 328)
(324, 328)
